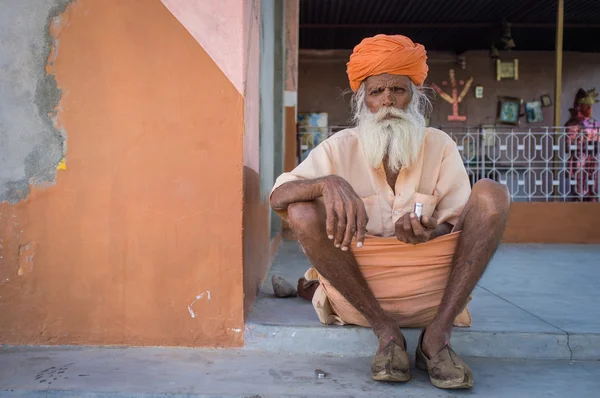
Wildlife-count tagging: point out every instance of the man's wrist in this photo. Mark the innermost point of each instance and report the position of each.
(319, 186)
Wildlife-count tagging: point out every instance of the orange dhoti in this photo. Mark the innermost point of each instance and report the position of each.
(407, 280)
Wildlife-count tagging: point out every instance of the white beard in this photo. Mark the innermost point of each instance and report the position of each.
(399, 137)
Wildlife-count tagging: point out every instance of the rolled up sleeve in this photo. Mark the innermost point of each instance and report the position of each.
(453, 187)
(316, 165)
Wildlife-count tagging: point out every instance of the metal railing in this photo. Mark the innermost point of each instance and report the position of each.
(540, 164)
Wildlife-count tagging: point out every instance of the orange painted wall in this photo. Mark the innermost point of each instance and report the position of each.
(144, 227)
(553, 223)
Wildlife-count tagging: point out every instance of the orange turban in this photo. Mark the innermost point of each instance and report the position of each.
(397, 55)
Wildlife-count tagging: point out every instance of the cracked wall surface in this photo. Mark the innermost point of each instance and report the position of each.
(30, 145)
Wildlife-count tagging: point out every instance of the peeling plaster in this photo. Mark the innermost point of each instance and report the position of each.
(31, 145)
(198, 297)
(26, 255)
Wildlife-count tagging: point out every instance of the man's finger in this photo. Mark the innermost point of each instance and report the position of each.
(350, 227)
(330, 222)
(362, 219)
(417, 228)
(410, 235)
(400, 230)
(340, 227)
(429, 222)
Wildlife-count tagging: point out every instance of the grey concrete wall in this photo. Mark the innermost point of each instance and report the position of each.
(278, 102)
(267, 87)
(30, 145)
(322, 82)
(278, 84)
(271, 98)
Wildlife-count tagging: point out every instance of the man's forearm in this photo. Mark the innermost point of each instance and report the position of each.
(296, 191)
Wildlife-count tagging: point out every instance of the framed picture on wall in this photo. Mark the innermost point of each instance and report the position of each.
(479, 91)
(546, 100)
(507, 70)
(533, 110)
(508, 110)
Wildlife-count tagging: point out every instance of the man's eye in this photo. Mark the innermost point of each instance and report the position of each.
(399, 89)
(375, 92)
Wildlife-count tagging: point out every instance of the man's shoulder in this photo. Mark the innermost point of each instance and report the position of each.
(438, 138)
(350, 133)
(437, 135)
(342, 138)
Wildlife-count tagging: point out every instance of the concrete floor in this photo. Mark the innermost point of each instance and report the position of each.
(539, 303)
(534, 301)
(171, 372)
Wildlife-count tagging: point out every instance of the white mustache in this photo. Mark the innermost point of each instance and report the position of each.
(385, 111)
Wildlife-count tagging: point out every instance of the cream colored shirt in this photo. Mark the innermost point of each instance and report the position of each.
(438, 179)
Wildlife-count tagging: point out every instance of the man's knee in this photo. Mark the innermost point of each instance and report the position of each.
(491, 197)
(304, 216)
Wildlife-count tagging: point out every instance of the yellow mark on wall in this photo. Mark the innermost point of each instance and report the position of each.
(62, 165)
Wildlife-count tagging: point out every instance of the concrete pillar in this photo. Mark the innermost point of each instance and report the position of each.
(291, 82)
(266, 121)
(272, 62)
(278, 96)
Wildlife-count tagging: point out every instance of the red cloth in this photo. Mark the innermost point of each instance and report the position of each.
(583, 160)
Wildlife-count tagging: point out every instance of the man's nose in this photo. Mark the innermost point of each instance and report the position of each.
(388, 99)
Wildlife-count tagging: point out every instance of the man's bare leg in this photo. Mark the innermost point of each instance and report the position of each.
(307, 220)
(482, 224)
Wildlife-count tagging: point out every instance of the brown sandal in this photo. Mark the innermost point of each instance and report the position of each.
(391, 364)
(446, 370)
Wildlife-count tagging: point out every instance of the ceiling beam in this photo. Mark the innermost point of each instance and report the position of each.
(477, 25)
(522, 11)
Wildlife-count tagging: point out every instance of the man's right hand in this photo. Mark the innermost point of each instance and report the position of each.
(346, 214)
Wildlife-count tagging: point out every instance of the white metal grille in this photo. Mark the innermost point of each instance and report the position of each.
(539, 164)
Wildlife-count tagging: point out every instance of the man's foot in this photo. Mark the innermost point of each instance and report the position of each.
(446, 369)
(434, 340)
(390, 333)
(306, 289)
(391, 363)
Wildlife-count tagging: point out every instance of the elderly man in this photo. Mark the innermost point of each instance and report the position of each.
(351, 204)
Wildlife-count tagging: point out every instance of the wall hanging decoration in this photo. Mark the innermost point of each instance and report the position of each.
(479, 91)
(455, 98)
(461, 60)
(508, 110)
(546, 100)
(533, 110)
(506, 38)
(507, 70)
(494, 54)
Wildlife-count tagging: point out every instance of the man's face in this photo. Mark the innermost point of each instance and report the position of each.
(389, 127)
(387, 91)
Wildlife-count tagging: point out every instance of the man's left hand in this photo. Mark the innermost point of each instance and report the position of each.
(410, 230)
